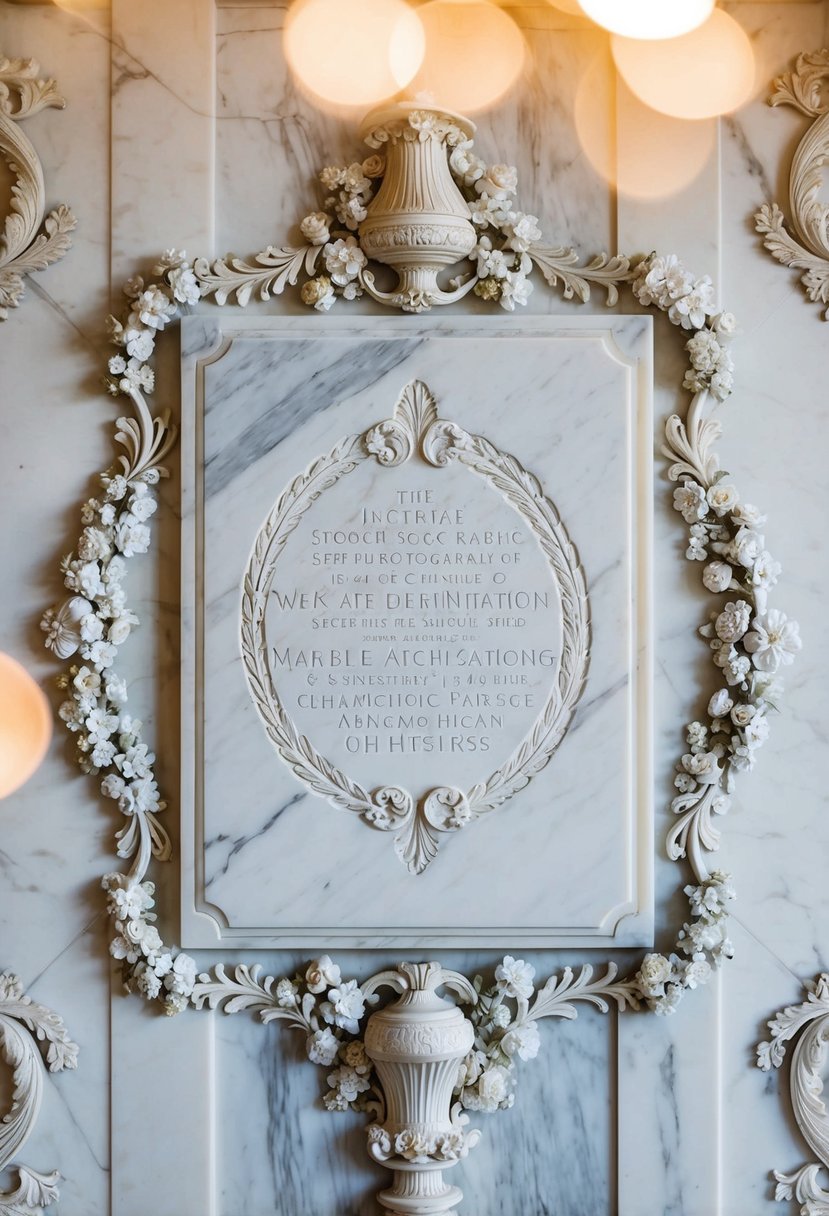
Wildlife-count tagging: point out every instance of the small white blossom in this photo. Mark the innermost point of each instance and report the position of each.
(515, 977)
(774, 640)
(345, 1006)
(691, 502)
(322, 973)
(322, 1047)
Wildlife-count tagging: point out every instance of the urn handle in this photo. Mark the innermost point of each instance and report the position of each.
(422, 977)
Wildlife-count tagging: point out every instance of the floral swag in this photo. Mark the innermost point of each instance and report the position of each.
(749, 642)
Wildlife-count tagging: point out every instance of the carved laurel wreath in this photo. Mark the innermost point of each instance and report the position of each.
(416, 429)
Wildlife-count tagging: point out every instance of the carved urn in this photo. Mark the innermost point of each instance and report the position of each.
(416, 1045)
(419, 222)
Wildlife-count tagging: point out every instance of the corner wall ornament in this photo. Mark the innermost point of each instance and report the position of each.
(22, 1024)
(24, 245)
(749, 643)
(806, 247)
(416, 431)
(807, 1023)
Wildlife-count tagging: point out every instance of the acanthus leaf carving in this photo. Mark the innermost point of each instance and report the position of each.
(23, 248)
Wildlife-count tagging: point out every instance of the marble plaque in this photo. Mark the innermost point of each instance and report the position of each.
(416, 632)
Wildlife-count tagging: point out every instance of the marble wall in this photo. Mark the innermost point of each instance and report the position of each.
(183, 127)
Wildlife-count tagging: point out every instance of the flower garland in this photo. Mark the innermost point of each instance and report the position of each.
(749, 642)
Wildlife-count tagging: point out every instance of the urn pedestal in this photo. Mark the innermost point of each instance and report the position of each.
(416, 1045)
(419, 222)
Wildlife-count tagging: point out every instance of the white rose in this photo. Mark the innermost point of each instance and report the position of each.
(315, 228)
(722, 498)
(493, 1087)
(702, 765)
(746, 547)
(716, 577)
(322, 973)
(322, 1047)
(720, 704)
(653, 973)
(523, 1041)
(725, 323)
(741, 715)
(119, 630)
(498, 181)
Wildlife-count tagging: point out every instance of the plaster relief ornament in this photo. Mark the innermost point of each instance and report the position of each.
(415, 432)
(28, 242)
(23, 1024)
(806, 247)
(750, 645)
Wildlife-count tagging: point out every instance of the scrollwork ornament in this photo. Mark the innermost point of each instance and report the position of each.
(28, 243)
(749, 644)
(806, 247)
(24, 1024)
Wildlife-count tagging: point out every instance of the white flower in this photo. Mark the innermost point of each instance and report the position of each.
(349, 1082)
(116, 487)
(725, 323)
(131, 537)
(139, 342)
(94, 545)
(493, 1087)
(100, 725)
(733, 621)
(322, 1047)
(748, 516)
(691, 309)
(137, 376)
(116, 689)
(349, 209)
(691, 502)
(501, 1016)
(746, 547)
(319, 293)
(702, 766)
(523, 1041)
(135, 761)
(717, 576)
(490, 261)
(741, 715)
(344, 260)
(355, 181)
(175, 1003)
(722, 498)
(87, 681)
(470, 1069)
(765, 572)
(286, 994)
(331, 177)
(141, 505)
(334, 1100)
(697, 735)
(92, 628)
(412, 1145)
(660, 280)
(498, 181)
(720, 704)
(668, 1003)
(121, 628)
(182, 978)
(145, 795)
(88, 579)
(653, 974)
(773, 641)
(515, 977)
(64, 626)
(465, 164)
(757, 731)
(103, 754)
(154, 308)
(522, 230)
(315, 228)
(515, 290)
(185, 285)
(117, 365)
(345, 1007)
(148, 983)
(113, 786)
(705, 351)
(735, 667)
(322, 973)
(101, 654)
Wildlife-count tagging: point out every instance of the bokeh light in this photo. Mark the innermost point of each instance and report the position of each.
(474, 55)
(660, 157)
(25, 725)
(353, 52)
(705, 73)
(648, 18)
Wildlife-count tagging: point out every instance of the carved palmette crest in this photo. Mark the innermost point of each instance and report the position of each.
(415, 431)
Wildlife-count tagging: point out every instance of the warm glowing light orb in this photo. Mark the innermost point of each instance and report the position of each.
(705, 73)
(648, 18)
(658, 156)
(474, 54)
(353, 52)
(25, 725)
